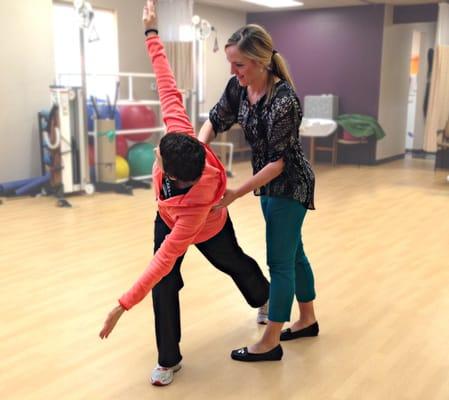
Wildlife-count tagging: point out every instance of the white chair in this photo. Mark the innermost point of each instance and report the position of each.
(316, 128)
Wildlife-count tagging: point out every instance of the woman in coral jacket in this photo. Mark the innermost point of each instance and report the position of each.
(189, 182)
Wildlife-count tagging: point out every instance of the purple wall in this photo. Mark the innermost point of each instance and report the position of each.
(336, 50)
(418, 13)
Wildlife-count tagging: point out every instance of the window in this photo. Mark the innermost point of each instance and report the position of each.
(101, 55)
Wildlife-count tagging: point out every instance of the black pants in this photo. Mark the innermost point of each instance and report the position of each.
(225, 254)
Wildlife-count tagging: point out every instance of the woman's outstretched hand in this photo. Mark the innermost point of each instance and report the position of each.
(149, 15)
(111, 320)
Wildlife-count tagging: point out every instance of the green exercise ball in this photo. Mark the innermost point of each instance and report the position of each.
(141, 158)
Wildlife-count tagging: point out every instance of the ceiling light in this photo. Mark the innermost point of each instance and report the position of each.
(276, 3)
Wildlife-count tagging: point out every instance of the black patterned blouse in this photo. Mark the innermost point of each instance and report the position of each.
(272, 130)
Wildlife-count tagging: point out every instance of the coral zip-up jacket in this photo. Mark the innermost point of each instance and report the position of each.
(190, 217)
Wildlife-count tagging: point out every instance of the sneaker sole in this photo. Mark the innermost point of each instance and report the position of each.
(159, 383)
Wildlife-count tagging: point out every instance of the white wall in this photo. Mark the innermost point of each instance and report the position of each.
(394, 86)
(443, 25)
(217, 68)
(26, 70)
(427, 41)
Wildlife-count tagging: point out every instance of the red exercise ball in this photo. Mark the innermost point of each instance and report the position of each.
(121, 145)
(137, 117)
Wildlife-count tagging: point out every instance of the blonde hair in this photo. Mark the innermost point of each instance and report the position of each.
(254, 42)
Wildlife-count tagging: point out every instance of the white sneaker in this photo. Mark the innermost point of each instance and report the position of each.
(262, 314)
(162, 376)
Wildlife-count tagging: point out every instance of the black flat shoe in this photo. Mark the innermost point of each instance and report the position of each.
(243, 355)
(310, 331)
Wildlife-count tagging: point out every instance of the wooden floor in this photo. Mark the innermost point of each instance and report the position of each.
(379, 246)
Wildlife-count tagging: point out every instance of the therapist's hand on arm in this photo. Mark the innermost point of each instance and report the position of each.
(265, 175)
(206, 133)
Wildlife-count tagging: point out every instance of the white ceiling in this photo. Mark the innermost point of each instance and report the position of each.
(308, 4)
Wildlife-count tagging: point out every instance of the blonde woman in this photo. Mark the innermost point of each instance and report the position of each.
(261, 98)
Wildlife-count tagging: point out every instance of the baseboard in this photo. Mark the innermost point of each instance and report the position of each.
(390, 159)
(420, 153)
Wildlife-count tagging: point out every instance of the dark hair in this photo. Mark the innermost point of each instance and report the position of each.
(183, 157)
